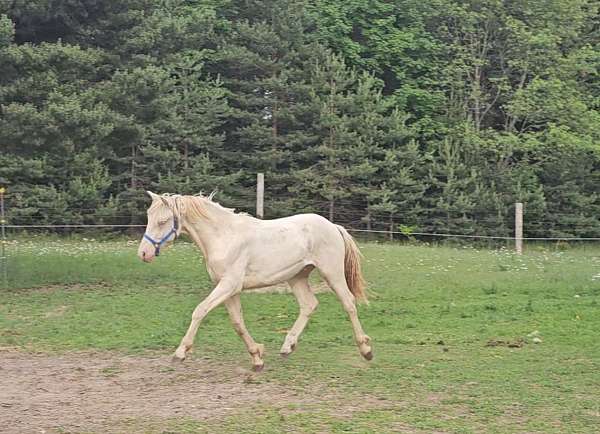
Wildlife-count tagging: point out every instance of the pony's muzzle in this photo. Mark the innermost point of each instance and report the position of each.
(145, 252)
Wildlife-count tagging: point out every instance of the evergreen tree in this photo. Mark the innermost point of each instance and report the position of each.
(437, 114)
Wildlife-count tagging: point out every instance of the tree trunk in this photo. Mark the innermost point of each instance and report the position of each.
(133, 174)
(476, 94)
(275, 132)
(512, 120)
(133, 181)
(186, 154)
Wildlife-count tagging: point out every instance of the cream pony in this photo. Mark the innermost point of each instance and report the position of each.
(242, 252)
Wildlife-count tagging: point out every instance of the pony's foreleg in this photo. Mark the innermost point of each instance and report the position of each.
(308, 303)
(234, 307)
(225, 289)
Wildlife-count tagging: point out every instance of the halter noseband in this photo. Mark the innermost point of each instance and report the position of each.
(158, 244)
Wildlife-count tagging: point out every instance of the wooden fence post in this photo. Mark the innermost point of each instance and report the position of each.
(519, 228)
(3, 259)
(260, 195)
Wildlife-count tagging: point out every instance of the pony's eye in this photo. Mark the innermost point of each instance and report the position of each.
(162, 222)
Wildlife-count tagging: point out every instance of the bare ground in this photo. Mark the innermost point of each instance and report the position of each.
(98, 392)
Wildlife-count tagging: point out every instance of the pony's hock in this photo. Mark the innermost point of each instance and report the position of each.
(242, 252)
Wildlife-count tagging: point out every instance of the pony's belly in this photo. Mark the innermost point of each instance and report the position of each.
(267, 277)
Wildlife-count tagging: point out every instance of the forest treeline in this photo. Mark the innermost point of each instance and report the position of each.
(428, 115)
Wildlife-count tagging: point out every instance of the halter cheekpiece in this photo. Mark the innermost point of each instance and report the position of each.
(158, 244)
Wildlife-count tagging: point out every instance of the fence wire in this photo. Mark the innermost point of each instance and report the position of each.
(373, 231)
(349, 212)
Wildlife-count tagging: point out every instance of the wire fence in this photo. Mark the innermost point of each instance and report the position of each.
(349, 212)
(350, 229)
(487, 237)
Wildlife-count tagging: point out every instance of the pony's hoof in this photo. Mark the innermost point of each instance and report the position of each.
(177, 359)
(179, 356)
(368, 356)
(258, 368)
(285, 352)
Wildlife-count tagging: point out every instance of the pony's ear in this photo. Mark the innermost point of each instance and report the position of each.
(154, 196)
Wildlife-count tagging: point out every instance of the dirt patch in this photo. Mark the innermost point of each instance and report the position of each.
(518, 343)
(96, 392)
(56, 312)
(50, 289)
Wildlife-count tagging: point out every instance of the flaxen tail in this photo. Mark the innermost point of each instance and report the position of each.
(352, 270)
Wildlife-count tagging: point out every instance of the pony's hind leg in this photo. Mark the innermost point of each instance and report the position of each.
(307, 302)
(234, 307)
(337, 281)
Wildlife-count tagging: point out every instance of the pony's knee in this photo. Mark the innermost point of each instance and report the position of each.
(350, 308)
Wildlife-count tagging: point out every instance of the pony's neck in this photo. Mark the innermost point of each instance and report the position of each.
(210, 227)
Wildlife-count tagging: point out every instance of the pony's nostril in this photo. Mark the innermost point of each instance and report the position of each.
(143, 254)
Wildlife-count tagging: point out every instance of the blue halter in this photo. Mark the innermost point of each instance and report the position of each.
(158, 244)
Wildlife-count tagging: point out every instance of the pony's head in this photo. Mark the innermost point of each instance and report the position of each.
(164, 225)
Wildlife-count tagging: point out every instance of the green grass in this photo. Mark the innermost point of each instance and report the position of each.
(432, 312)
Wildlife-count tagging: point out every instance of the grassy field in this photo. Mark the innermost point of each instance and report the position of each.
(453, 330)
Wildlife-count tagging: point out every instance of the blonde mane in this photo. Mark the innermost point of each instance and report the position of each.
(194, 207)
